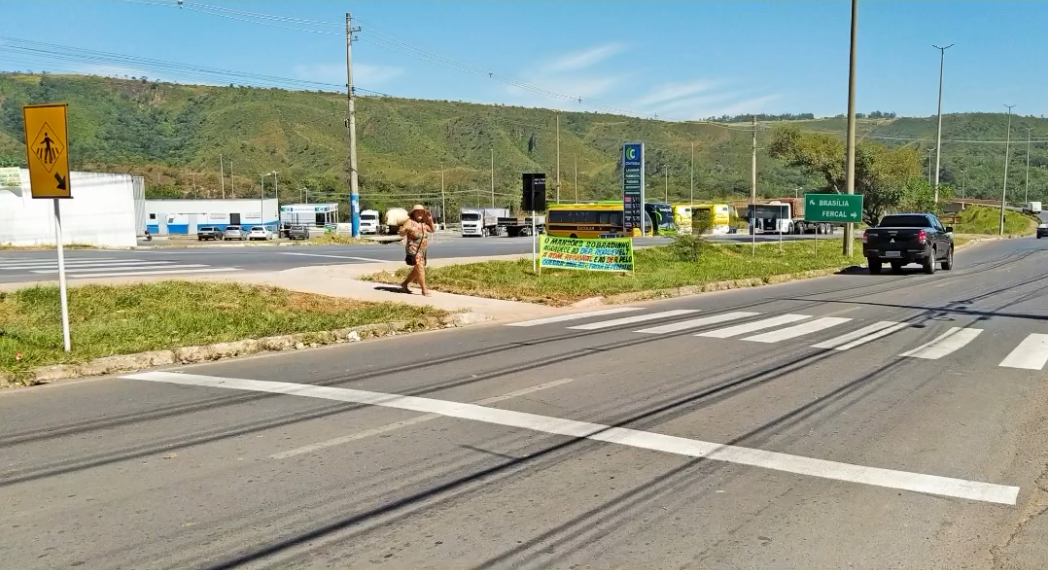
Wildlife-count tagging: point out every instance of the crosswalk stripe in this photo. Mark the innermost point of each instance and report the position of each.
(102, 264)
(862, 336)
(573, 317)
(948, 342)
(798, 330)
(54, 262)
(117, 269)
(631, 320)
(754, 326)
(173, 272)
(696, 323)
(1031, 354)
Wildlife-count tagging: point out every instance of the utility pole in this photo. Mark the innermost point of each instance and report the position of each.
(1007, 157)
(232, 186)
(938, 130)
(667, 184)
(351, 126)
(492, 177)
(849, 229)
(753, 192)
(576, 157)
(443, 203)
(222, 174)
(558, 157)
(1029, 131)
(691, 196)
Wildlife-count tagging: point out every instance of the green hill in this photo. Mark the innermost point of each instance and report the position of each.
(174, 135)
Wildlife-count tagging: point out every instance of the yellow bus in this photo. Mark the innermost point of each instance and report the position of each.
(720, 216)
(587, 221)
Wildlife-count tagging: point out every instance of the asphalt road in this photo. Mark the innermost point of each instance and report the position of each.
(849, 421)
(40, 265)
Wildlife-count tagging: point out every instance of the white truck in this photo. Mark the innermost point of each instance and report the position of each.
(481, 222)
(521, 226)
(1032, 208)
(369, 222)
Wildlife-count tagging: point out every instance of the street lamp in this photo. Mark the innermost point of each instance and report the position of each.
(1007, 156)
(938, 130)
(262, 197)
(849, 229)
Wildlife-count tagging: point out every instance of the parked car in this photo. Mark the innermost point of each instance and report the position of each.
(1042, 230)
(298, 232)
(260, 232)
(234, 232)
(205, 233)
(901, 239)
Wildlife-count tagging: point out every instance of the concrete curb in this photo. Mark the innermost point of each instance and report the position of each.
(125, 363)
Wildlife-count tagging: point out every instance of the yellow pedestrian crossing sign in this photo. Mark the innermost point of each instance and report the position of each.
(47, 146)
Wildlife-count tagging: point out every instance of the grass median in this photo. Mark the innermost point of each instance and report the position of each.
(123, 319)
(656, 268)
(983, 220)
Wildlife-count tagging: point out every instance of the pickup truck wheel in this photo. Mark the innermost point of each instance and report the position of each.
(875, 265)
(947, 263)
(929, 263)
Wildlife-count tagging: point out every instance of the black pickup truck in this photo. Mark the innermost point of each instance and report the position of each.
(901, 239)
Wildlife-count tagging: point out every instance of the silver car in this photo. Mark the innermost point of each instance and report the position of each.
(234, 232)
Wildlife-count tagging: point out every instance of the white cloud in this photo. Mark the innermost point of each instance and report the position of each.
(673, 91)
(584, 58)
(364, 74)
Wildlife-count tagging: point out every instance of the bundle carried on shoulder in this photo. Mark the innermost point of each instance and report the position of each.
(396, 217)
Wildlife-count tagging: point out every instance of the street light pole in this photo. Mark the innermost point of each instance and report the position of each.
(558, 157)
(492, 177)
(938, 130)
(443, 204)
(849, 229)
(691, 195)
(1007, 156)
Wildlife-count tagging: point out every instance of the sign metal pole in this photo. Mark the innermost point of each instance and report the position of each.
(63, 299)
(534, 245)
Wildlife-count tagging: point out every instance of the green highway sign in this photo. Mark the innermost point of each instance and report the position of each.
(839, 208)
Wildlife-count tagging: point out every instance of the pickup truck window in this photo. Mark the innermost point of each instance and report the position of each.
(905, 221)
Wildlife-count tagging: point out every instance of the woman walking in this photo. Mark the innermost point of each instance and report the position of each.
(416, 232)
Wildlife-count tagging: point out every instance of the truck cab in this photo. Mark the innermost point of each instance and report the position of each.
(369, 222)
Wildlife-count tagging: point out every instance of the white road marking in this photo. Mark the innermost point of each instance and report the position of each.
(754, 326)
(798, 330)
(408, 422)
(1031, 354)
(164, 272)
(54, 262)
(96, 266)
(573, 316)
(118, 269)
(368, 259)
(917, 482)
(862, 336)
(631, 320)
(950, 341)
(696, 323)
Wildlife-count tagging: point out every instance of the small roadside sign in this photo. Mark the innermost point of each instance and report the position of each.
(47, 150)
(837, 208)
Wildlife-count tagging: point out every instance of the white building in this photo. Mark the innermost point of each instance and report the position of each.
(101, 212)
(185, 216)
(319, 215)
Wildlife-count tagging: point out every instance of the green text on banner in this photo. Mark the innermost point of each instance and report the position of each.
(605, 254)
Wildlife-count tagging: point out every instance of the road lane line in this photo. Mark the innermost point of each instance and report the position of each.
(1031, 354)
(572, 317)
(950, 341)
(96, 266)
(118, 269)
(798, 330)
(862, 336)
(696, 323)
(754, 326)
(53, 263)
(405, 423)
(630, 320)
(825, 469)
(163, 272)
(368, 259)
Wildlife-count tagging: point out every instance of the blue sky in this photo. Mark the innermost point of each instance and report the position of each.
(679, 60)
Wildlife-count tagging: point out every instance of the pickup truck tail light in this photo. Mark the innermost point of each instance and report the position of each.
(921, 236)
(863, 237)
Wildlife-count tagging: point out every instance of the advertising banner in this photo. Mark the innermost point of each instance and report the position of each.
(605, 254)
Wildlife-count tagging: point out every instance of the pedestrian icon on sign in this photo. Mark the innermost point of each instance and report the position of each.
(47, 148)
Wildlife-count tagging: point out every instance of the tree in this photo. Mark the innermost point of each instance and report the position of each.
(881, 173)
(10, 159)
